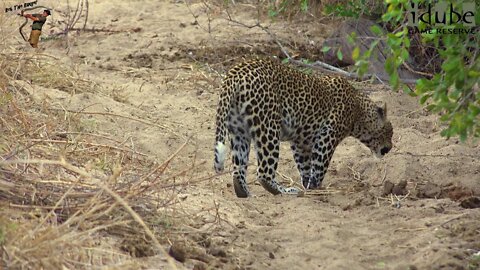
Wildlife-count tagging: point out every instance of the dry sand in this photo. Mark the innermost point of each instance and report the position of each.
(169, 73)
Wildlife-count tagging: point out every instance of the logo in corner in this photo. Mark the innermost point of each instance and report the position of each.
(440, 16)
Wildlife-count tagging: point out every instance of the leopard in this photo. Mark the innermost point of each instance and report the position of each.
(264, 102)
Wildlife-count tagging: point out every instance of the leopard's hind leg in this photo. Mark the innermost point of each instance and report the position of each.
(267, 146)
(240, 150)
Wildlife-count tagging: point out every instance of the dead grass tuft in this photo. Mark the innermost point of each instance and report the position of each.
(70, 197)
(43, 70)
(56, 212)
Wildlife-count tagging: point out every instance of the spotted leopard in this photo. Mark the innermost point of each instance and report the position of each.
(267, 102)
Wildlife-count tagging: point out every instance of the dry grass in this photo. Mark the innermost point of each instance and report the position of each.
(61, 199)
(45, 70)
(71, 197)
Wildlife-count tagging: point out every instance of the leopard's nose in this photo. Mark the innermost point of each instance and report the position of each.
(384, 150)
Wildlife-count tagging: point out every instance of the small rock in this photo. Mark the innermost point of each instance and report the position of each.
(200, 266)
(402, 184)
(387, 188)
(347, 207)
(400, 188)
(470, 203)
(177, 251)
(217, 252)
(430, 190)
(397, 204)
(182, 25)
(271, 255)
(459, 193)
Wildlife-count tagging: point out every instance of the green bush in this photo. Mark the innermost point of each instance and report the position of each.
(352, 8)
(453, 91)
(286, 6)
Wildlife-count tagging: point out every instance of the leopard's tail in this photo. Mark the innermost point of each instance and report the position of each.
(221, 131)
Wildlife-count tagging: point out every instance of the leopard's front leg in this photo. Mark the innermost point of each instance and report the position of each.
(302, 155)
(324, 144)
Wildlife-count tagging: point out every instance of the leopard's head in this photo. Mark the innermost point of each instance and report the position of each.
(374, 129)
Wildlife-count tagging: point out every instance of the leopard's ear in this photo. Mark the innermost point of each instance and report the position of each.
(382, 113)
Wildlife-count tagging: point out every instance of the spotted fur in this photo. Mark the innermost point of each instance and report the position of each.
(266, 102)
